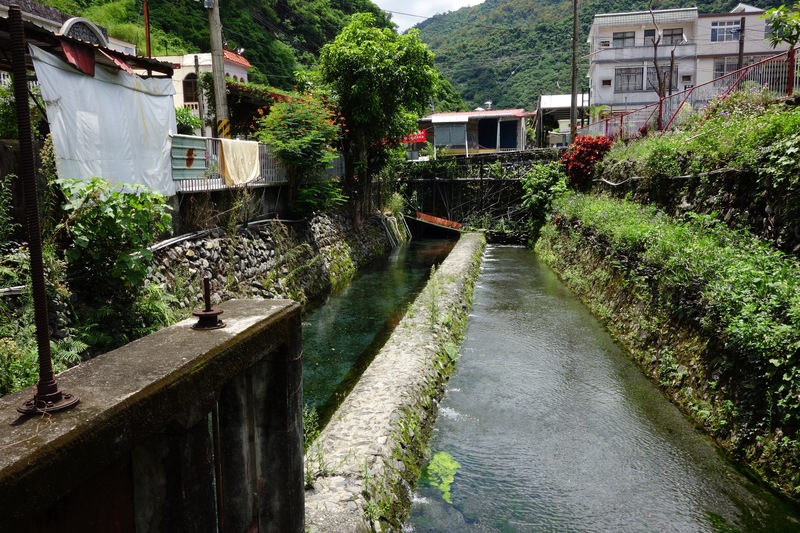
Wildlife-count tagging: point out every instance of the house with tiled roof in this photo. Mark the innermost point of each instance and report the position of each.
(188, 68)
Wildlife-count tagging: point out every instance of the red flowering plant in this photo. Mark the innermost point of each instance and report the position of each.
(580, 158)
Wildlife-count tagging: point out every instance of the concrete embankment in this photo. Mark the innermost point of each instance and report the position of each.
(362, 465)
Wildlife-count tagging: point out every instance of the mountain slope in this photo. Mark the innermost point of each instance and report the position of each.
(279, 36)
(511, 51)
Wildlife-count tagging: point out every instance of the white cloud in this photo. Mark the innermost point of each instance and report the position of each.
(418, 10)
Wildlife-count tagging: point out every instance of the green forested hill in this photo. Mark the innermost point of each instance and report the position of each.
(511, 51)
(279, 36)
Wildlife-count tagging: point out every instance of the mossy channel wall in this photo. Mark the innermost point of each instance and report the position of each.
(677, 355)
(361, 469)
(302, 260)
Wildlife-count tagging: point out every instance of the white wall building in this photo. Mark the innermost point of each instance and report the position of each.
(185, 75)
(622, 71)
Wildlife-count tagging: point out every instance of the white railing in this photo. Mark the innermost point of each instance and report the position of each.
(193, 171)
(778, 74)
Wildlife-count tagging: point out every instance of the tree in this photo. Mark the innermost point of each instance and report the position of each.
(301, 131)
(382, 83)
(785, 24)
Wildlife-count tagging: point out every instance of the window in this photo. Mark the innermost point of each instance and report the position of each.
(652, 79)
(190, 88)
(449, 134)
(606, 83)
(672, 36)
(623, 38)
(649, 36)
(686, 78)
(726, 65)
(628, 79)
(725, 31)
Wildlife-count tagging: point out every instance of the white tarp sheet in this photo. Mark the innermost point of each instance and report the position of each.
(113, 125)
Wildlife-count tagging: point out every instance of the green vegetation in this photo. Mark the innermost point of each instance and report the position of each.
(280, 37)
(440, 472)
(382, 82)
(731, 288)
(542, 184)
(741, 132)
(186, 120)
(109, 229)
(302, 132)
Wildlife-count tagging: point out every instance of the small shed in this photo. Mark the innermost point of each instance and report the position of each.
(553, 118)
(477, 132)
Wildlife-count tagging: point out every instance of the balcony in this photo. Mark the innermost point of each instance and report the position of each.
(642, 52)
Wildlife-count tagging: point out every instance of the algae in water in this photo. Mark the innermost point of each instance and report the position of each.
(440, 473)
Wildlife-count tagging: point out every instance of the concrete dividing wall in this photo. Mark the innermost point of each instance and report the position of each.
(182, 430)
(364, 462)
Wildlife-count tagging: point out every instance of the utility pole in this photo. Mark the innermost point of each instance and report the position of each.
(223, 125)
(740, 62)
(573, 109)
(147, 29)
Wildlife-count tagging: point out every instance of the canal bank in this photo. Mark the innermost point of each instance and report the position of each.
(363, 463)
(671, 295)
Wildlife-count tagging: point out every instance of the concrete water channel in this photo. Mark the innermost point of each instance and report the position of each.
(547, 426)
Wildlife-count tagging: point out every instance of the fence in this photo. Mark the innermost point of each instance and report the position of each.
(777, 73)
(195, 163)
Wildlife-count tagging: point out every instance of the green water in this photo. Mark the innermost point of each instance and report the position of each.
(341, 338)
(548, 427)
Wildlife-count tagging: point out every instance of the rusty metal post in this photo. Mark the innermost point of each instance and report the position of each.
(48, 397)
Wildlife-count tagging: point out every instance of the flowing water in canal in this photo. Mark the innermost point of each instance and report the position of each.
(342, 337)
(555, 430)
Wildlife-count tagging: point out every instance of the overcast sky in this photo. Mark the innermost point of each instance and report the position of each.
(418, 10)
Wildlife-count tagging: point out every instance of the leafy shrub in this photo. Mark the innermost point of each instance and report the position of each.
(110, 229)
(186, 120)
(321, 195)
(395, 204)
(7, 224)
(301, 131)
(541, 185)
(581, 157)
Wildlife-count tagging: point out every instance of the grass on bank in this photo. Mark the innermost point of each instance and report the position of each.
(734, 287)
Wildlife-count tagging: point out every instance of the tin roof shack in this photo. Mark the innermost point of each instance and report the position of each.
(105, 120)
(477, 132)
(553, 118)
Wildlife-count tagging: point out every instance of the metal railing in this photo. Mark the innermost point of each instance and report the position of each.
(195, 163)
(777, 73)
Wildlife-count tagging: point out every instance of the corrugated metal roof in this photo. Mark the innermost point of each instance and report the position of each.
(464, 116)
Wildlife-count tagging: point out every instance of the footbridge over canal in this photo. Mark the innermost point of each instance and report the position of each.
(482, 189)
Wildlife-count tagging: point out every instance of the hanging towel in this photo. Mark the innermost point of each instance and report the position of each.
(238, 161)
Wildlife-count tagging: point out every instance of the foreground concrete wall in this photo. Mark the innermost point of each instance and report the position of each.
(365, 460)
(136, 453)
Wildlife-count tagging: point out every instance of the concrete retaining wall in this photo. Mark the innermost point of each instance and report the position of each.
(367, 458)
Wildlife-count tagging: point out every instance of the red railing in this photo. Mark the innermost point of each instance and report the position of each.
(777, 73)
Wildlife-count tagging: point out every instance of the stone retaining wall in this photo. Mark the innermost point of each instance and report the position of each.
(299, 260)
(365, 461)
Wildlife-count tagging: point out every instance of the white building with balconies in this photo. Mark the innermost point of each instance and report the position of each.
(629, 49)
